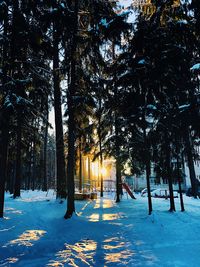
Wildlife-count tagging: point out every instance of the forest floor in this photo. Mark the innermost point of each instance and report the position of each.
(102, 234)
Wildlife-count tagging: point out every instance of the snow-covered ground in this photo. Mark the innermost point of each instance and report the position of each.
(34, 233)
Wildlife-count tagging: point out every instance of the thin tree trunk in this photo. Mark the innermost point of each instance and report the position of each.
(169, 173)
(180, 189)
(100, 148)
(44, 187)
(89, 174)
(17, 186)
(33, 159)
(3, 163)
(60, 158)
(101, 174)
(148, 170)
(118, 179)
(179, 174)
(80, 165)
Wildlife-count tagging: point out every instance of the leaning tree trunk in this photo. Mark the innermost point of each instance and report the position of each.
(71, 120)
(60, 158)
(17, 185)
(191, 163)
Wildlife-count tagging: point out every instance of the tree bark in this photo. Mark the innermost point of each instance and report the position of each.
(99, 131)
(44, 186)
(3, 162)
(148, 169)
(179, 174)
(101, 174)
(71, 120)
(118, 180)
(60, 158)
(17, 186)
(70, 160)
(191, 163)
(119, 190)
(169, 173)
(80, 165)
(4, 119)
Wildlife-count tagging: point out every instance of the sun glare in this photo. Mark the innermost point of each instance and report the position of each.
(103, 171)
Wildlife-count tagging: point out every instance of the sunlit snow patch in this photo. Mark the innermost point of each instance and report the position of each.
(80, 254)
(26, 238)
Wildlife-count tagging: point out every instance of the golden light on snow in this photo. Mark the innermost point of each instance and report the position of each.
(11, 260)
(103, 203)
(26, 238)
(83, 253)
(118, 257)
(94, 217)
(110, 216)
(80, 254)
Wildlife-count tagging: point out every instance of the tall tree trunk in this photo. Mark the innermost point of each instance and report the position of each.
(70, 160)
(148, 169)
(80, 165)
(4, 118)
(60, 158)
(100, 151)
(119, 190)
(33, 159)
(189, 153)
(148, 173)
(17, 186)
(169, 173)
(178, 173)
(44, 186)
(179, 186)
(3, 162)
(118, 180)
(89, 173)
(101, 174)
(71, 120)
